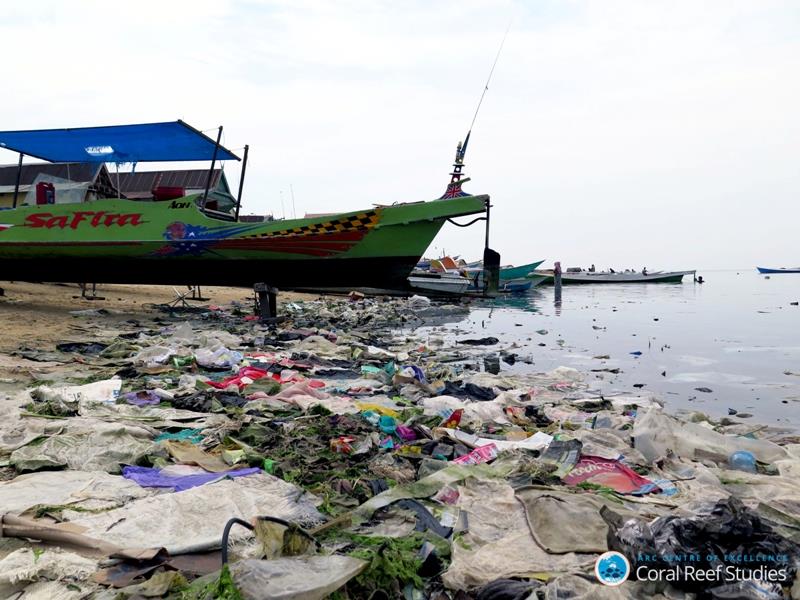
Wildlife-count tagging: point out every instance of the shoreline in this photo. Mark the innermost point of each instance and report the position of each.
(349, 421)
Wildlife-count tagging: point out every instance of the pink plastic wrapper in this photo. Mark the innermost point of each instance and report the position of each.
(478, 456)
(609, 473)
(251, 373)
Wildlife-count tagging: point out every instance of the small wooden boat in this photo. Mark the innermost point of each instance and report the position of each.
(509, 273)
(515, 286)
(781, 270)
(536, 279)
(609, 277)
(439, 283)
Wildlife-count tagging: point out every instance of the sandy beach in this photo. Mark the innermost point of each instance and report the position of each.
(38, 314)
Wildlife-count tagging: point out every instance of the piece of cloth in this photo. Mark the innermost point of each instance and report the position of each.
(193, 520)
(563, 522)
(294, 578)
(97, 451)
(23, 569)
(157, 478)
(88, 490)
(195, 436)
(499, 543)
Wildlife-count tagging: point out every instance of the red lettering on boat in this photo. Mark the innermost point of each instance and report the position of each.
(59, 222)
(78, 217)
(74, 220)
(37, 219)
(133, 219)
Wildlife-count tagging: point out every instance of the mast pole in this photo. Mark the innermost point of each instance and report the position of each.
(213, 163)
(241, 181)
(19, 176)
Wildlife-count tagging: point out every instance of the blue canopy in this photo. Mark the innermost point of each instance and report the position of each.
(148, 142)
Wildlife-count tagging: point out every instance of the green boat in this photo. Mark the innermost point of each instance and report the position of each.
(189, 240)
(520, 272)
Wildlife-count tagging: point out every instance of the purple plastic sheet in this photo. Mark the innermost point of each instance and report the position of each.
(141, 398)
(405, 433)
(149, 477)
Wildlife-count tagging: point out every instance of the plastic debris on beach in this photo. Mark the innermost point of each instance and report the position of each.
(342, 453)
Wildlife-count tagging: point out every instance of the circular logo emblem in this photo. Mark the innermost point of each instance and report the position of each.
(612, 568)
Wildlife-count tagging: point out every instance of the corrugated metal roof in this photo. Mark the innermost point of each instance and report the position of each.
(80, 172)
(140, 183)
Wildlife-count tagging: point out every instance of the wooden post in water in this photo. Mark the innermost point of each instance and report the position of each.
(267, 301)
(557, 281)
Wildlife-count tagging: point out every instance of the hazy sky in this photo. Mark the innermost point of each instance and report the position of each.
(624, 133)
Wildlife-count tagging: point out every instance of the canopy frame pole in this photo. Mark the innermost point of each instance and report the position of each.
(488, 216)
(19, 177)
(213, 163)
(241, 181)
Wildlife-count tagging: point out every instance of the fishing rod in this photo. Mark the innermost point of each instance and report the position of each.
(463, 149)
(491, 259)
(454, 188)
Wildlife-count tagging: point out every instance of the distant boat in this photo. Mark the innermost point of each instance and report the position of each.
(608, 277)
(781, 270)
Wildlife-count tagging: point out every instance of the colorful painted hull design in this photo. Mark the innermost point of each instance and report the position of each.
(124, 241)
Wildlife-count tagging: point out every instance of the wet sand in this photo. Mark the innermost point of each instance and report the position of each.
(38, 314)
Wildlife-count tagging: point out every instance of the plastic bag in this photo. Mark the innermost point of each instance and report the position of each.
(654, 434)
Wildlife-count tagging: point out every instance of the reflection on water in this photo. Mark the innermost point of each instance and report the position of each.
(736, 335)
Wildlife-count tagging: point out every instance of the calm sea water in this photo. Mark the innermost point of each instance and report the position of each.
(737, 335)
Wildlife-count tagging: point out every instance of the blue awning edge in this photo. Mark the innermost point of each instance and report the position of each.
(147, 142)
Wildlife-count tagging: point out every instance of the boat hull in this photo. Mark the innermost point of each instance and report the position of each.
(515, 286)
(775, 271)
(536, 279)
(508, 273)
(616, 278)
(122, 241)
(438, 286)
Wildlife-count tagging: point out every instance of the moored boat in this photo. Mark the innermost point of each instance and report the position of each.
(617, 277)
(766, 270)
(508, 273)
(439, 283)
(515, 286)
(187, 239)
